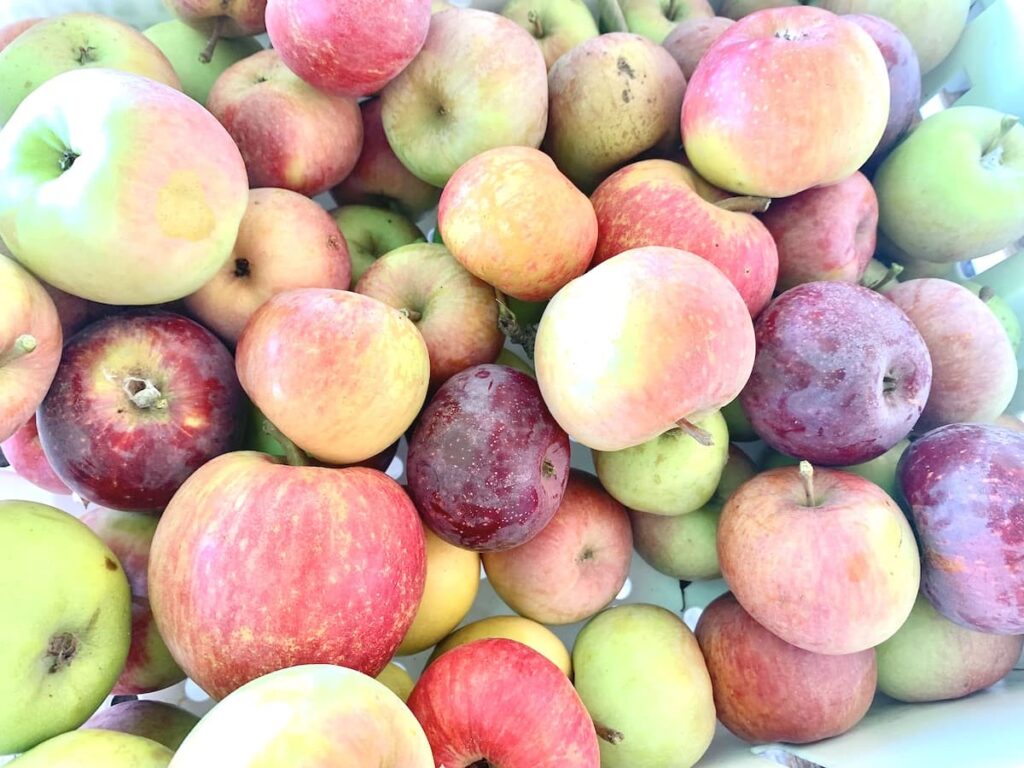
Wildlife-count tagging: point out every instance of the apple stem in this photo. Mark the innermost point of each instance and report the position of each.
(293, 455)
(508, 323)
(608, 734)
(412, 314)
(807, 477)
(670, 14)
(143, 393)
(891, 274)
(986, 294)
(993, 153)
(211, 44)
(613, 17)
(538, 29)
(745, 204)
(23, 345)
(702, 436)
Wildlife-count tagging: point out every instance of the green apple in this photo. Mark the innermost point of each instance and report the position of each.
(512, 360)
(641, 675)
(397, 680)
(737, 9)
(97, 749)
(654, 19)
(740, 428)
(182, 44)
(673, 474)
(881, 470)
(556, 25)
(1001, 309)
(932, 659)
(371, 232)
(75, 41)
(157, 720)
(67, 607)
(954, 189)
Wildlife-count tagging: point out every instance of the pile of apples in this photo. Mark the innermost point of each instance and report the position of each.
(694, 225)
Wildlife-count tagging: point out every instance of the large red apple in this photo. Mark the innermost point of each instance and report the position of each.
(257, 566)
(25, 456)
(139, 402)
(658, 202)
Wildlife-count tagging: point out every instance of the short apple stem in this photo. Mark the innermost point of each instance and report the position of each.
(986, 294)
(22, 346)
(608, 734)
(807, 477)
(413, 314)
(878, 284)
(294, 455)
(670, 14)
(538, 29)
(888, 383)
(143, 393)
(508, 323)
(745, 204)
(211, 44)
(993, 154)
(702, 436)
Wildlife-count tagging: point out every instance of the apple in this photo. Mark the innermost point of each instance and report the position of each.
(1000, 308)
(691, 38)
(881, 471)
(347, 396)
(841, 374)
(25, 456)
(512, 360)
(184, 46)
(522, 630)
(396, 680)
(640, 673)
(931, 658)
(129, 536)
(464, 701)
(152, 211)
(371, 232)
(757, 145)
(655, 19)
(459, 98)
(740, 429)
(672, 474)
(139, 402)
(575, 566)
(219, 549)
(548, 230)
(97, 749)
(953, 189)
(737, 9)
(71, 608)
(685, 546)
(10, 31)
(624, 352)
(557, 25)
(659, 202)
(313, 714)
(798, 696)
(223, 18)
(825, 233)
(613, 98)
(453, 577)
(290, 134)
(963, 484)
(286, 241)
(1010, 421)
(822, 559)
(74, 312)
(454, 311)
(974, 368)
(487, 464)
(157, 720)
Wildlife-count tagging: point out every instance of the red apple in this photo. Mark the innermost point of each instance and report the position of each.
(226, 18)
(286, 241)
(139, 402)
(15, 28)
(75, 313)
(825, 233)
(352, 48)
(257, 566)
(658, 202)
(757, 143)
(25, 456)
(768, 690)
(149, 666)
(290, 134)
(468, 698)
(691, 38)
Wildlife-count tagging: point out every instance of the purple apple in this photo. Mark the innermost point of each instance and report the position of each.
(488, 463)
(157, 720)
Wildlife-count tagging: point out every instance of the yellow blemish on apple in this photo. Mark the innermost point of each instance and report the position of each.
(193, 422)
(181, 208)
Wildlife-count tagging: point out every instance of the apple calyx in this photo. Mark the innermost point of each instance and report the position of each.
(211, 44)
(293, 455)
(67, 159)
(702, 436)
(143, 393)
(745, 204)
(547, 468)
(992, 157)
(807, 478)
(86, 55)
(22, 346)
(508, 323)
(242, 268)
(987, 293)
(62, 647)
(878, 283)
(538, 29)
(608, 734)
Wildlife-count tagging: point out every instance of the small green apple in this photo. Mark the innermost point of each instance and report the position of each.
(371, 232)
(397, 680)
(737, 9)
(556, 25)
(740, 428)
(512, 360)
(672, 474)
(654, 19)
(97, 749)
(157, 720)
(1001, 309)
(881, 470)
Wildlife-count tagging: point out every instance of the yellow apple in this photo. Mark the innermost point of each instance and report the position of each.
(527, 632)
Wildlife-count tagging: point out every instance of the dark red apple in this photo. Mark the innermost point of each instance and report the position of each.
(839, 377)
(140, 401)
(25, 455)
(488, 463)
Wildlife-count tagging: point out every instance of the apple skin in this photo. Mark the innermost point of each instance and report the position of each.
(575, 566)
(73, 41)
(755, 145)
(852, 568)
(840, 377)
(371, 232)
(958, 207)
(73, 609)
(74, 312)
(825, 233)
(9, 32)
(464, 700)
(548, 230)
(157, 720)
(614, 344)
(558, 26)
(234, 18)
(963, 484)
(881, 471)
(931, 658)
(459, 98)
(139, 402)
(345, 397)
(655, 19)
(690, 40)
(219, 548)
(512, 360)
(974, 368)
(25, 456)
(290, 134)
(396, 680)
(659, 202)
(454, 311)
(1010, 421)
(997, 304)
(182, 44)
(737, 9)
(149, 215)
(97, 749)
(129, 536)
(640, 672)
(286, 241)
(767, 690)
(522, 630)
(613, 98)
(314, 714)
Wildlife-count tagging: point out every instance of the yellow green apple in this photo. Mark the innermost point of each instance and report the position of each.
(524, 631)
(397, 680)
(97, 749)
(556, 25)
(371, 232)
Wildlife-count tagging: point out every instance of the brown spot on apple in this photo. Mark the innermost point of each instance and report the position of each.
(182, 210)
(941, 562)
(109, 564)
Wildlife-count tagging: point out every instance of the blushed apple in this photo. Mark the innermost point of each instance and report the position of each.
(997, 304)
(397, 680)
(522, 630)
(157, 720)
(10, 31)
(691, 38)
(129, 536)
(371, 232)
(557, 25)
(75, 313)
(25, 456)
(93, 748)
(655, 19)
(221, 18)
(881, 470)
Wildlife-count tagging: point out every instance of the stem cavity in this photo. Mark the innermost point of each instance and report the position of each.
(993, 154)
(807, 478)
(413, 314)
(538, 29)
(702, 436)
(143, 393)
(23, 345)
